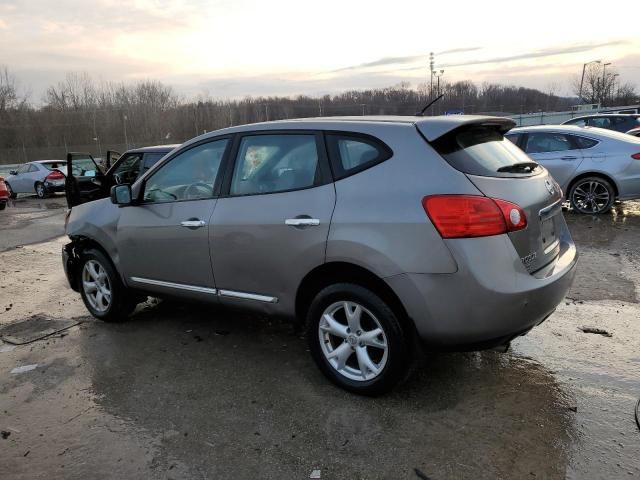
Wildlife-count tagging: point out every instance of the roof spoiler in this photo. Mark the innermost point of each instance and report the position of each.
(433, 128)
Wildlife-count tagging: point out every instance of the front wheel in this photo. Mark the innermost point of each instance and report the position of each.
(356, 340)
(3, 205)
(103, 293)
(592, 195)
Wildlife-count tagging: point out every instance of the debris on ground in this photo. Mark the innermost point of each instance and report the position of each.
(420, 474)
(24, 368)
(315, 474)
(573, 408)
(222, 332)
(4, 434)
(36, 327)
(597, 331)
(638, 413)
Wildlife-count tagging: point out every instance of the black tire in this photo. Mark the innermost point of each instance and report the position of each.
(122, 302)
(12, 194)
(3, 204)
(41, 190)
(592, 195)
(398, 342)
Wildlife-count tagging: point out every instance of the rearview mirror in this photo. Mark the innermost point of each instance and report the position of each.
(13, 172)
(121, 195)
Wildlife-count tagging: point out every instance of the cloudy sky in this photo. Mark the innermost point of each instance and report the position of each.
(228, 48)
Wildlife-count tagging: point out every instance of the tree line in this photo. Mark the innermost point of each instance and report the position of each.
(82, 114)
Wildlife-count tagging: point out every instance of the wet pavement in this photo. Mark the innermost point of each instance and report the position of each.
(190, 391)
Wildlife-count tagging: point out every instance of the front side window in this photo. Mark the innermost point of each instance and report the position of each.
(24, 168)
(84, 167)
(275, 163)
(547, 142)
(128, 168)
(190, 175)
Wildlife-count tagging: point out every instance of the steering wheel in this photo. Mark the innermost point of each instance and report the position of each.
(197, 188)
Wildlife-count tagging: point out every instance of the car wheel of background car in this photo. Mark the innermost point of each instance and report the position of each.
(102, 291)
(41, 191)
(593, 195)
(3, 205)
(356, 339)
(12, 194)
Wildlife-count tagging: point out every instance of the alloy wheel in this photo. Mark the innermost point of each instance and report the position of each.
(96, 286)
(40, 190)
(353, 341)
(591, 196)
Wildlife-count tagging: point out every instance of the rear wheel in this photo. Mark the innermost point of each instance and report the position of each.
(3, 204)
(592, 195)
(41, 191)
(12, 194)
(103, 293)
(356, 340)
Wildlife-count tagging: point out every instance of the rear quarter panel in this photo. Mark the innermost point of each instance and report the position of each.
(379, 222)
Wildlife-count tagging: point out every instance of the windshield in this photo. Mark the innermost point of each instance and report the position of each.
(483, 150)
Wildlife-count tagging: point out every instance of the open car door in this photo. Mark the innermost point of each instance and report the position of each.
(112, 157)
(85, 180)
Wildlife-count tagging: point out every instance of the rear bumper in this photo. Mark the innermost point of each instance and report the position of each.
(54, 188)
(490, 300)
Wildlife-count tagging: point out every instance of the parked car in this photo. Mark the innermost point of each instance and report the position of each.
(371, 231)
(89, 181)
(41, 177)
(4, 194)
(635, 132)
(609, 121)
(593, 166)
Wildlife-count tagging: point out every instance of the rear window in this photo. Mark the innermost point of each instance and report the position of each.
(484, 151)
(54, 165)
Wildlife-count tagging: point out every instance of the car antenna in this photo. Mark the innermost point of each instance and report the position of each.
(421, 112)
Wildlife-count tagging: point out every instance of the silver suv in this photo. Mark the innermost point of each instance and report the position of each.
(372, 231)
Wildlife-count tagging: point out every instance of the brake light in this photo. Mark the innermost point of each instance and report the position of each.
(636, 156)
(461, 216)
(55, 175)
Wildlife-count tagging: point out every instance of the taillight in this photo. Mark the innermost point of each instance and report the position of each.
(636, 156)
(459, 216)
(55, 175)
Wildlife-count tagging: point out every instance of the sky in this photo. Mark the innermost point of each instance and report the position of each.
(232, 49)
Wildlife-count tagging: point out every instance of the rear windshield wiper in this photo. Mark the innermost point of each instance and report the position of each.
(526, 166)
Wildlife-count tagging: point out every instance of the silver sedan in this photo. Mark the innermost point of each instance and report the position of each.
(593, 166)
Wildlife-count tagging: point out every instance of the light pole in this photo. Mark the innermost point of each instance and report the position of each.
(604, 85)
(584, 66)
(124, 124)
(437, 75)
(431, 64)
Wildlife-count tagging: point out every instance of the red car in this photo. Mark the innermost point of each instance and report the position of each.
(4, 194)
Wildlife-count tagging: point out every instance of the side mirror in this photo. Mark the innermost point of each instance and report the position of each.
(121, 195)
(13, 172)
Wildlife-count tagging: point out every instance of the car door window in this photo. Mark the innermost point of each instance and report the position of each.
(582, 142)
(84, 167)
(23, 168)
(513, 138)
(128, 168)
(351, 154)
(190, 175)
(32, 168)
(275, 163)
(600, 122)
(547, 142)
(578, 123)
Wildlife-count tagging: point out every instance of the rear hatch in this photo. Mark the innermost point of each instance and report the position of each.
(501, 170)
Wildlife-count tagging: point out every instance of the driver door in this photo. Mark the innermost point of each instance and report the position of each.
(164, 240)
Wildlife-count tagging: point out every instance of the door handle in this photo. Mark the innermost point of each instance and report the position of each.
(193, 223)
(302, 222)
(569, 157)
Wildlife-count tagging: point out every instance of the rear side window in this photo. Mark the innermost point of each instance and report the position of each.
(548, 142)
(514, 138)
(484, 151)
(32, 168)
(353, 153)
(578, 123)
(583, 142)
